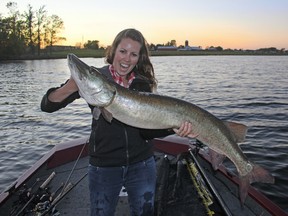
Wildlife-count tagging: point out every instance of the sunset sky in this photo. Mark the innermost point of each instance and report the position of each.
(235, 24)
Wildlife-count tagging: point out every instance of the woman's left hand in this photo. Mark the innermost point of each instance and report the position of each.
(185, 130)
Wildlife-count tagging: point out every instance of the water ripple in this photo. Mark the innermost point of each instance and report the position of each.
(248, 89)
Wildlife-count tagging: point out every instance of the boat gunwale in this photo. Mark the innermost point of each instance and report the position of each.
(169, 145)
(52, 158)
(256, 195)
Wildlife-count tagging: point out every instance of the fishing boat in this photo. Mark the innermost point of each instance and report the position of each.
(57, 184)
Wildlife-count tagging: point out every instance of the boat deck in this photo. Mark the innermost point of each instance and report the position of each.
(183, 201)
(78, 197)
(77, 200)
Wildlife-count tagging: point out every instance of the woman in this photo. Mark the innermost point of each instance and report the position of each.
(119, 155)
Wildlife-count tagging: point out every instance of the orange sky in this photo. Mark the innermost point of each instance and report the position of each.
(237, 24)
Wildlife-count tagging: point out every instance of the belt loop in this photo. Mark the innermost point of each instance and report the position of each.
(124, 171)
(145, 163)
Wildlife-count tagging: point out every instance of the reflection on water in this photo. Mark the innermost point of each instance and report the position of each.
(248, 89)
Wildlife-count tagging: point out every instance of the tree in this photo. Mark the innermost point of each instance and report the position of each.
(20, 33)
(171, 43)
(12, 7)
(40, 19)
(12, 32)
(92, 44)
(4, 35)
(29, 30)
(53, 26)
(219, 48)
(152, 46)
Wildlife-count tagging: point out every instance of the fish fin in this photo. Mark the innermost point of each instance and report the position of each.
(107, 115)
(238, 130)
(258, 174)
(96, 113)
(216, 158)
(243, 189)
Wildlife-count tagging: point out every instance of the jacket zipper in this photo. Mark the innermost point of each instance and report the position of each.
(127, 151)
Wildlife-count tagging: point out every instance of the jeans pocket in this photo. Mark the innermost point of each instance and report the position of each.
(149, 162)
(92, 168)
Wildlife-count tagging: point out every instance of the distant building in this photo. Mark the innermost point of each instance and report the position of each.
(189, 48)
(167, 48)
(182, 48)
(186, 43)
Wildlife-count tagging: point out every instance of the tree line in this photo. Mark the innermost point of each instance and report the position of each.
(26, 33)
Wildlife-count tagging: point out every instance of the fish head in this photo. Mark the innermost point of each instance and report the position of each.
(93, 86)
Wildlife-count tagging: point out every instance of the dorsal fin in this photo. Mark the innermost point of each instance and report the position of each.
(238, 130)
(216, 158)
(96, 113)
(100, 110)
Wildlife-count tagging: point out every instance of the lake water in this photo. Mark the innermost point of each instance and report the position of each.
(249, 89)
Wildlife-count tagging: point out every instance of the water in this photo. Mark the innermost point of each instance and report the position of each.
(249, 89)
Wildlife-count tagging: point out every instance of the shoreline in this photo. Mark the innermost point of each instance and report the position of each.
(89, 53)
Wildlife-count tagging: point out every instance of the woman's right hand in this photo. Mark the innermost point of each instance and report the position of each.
(72, 84)
(63, 92)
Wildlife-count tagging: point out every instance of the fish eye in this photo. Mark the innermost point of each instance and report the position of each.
(91, 70)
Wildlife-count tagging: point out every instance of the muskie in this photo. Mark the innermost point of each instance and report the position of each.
(151, 111)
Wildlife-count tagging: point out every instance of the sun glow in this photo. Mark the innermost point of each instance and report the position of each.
(229, 24)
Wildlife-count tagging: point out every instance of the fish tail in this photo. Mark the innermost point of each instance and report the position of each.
(257, 174)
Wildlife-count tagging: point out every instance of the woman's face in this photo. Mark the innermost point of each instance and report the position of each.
(126, 56)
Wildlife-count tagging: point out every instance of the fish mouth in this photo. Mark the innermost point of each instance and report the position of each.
(73, 60)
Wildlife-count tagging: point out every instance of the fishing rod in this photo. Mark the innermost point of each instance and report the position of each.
(68, 186)
(211, 186)
(64, 192)
(43, 200)
(23, 195)
(75, 164)
(200, 185)
(33, 196)
(53, 194)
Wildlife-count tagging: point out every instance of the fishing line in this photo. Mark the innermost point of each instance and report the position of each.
(74, 166)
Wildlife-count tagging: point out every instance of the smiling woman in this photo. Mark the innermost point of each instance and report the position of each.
(119, 154)
(125, 59)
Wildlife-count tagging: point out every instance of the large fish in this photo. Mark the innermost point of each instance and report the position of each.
(151, 111)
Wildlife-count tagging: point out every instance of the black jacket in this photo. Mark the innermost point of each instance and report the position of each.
(115, 143)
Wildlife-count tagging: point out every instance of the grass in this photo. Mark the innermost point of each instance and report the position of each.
(101, 53)
(79, 52)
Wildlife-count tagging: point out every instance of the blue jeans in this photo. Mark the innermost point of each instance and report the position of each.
(139, 180)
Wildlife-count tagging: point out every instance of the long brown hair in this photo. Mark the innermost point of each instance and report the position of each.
(144, 66)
